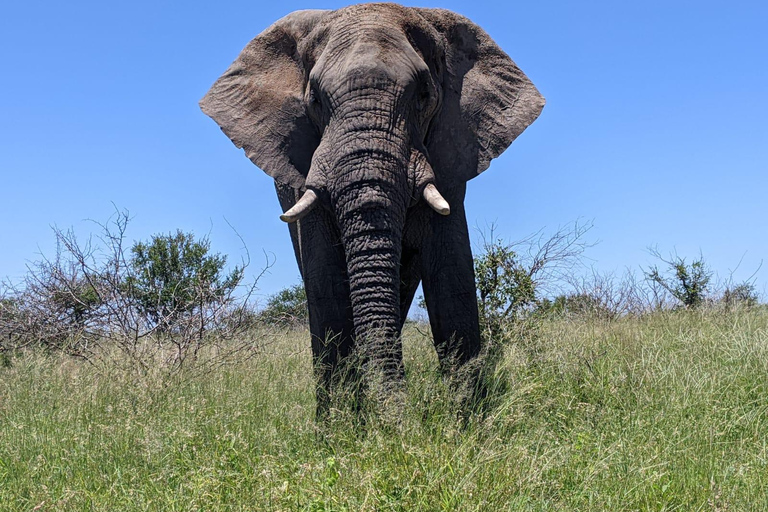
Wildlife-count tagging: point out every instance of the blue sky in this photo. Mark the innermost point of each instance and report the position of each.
(654, 129)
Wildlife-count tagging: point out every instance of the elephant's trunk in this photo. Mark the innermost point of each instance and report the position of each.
(373, 261)
(370, 196)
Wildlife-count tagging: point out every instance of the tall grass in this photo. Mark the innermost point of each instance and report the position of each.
(665, 412)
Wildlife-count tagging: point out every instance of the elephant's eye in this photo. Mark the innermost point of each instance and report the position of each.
(314, 104)
(314, 96)
(422, 102)
(426, 101)
(426, 94)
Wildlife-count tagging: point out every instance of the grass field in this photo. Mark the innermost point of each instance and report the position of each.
(666, 412)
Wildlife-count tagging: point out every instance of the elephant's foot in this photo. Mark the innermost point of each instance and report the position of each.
(382, 367)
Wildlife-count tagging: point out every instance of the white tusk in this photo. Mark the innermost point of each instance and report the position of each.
(302, 207)
(435, 200)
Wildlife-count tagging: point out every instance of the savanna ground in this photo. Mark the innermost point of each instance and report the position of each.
(664, 412)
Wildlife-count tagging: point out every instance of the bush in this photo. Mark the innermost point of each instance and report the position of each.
(288, 307)
(505, 287)
(577, 304)
(174, 278)
(165, 302)
(513, 278)
(56, 302)
(743, 294)
(688, 284)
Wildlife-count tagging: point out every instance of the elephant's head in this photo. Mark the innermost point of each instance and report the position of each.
(368, 110)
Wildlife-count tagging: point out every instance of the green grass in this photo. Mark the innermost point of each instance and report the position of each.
(667, 412)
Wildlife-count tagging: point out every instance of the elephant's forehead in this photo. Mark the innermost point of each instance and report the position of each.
(378, 25)
(370, 44)
(382, 12)
(366, 36)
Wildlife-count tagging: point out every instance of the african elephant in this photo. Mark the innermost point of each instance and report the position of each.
(371, 119)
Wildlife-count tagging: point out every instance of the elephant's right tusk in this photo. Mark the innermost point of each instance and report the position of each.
(302, 207)
(435, 200)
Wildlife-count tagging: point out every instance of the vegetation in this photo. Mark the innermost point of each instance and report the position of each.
(688, 284)
(174, 276)
(743, 294)
(663, 412)
(288, 307)
(506, 289)
(163, 300)
(513, 278)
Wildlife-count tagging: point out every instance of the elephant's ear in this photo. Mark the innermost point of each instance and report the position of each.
(258, 102)
(487, 100)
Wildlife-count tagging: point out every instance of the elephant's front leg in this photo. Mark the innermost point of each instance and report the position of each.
(320, 256)
(449, 284)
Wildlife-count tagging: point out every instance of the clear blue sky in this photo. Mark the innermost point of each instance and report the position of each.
(655, 127)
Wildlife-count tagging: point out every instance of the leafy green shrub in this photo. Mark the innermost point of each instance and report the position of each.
(505, 287)
(688, 284)
(513, 279)
(287, 307)
(174, 277)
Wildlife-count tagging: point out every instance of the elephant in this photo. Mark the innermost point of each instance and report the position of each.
(371, 119)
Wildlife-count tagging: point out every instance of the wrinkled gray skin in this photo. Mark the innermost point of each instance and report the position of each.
(365, 106)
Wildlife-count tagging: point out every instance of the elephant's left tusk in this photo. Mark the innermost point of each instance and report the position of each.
(435, 200)
(302, 207)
